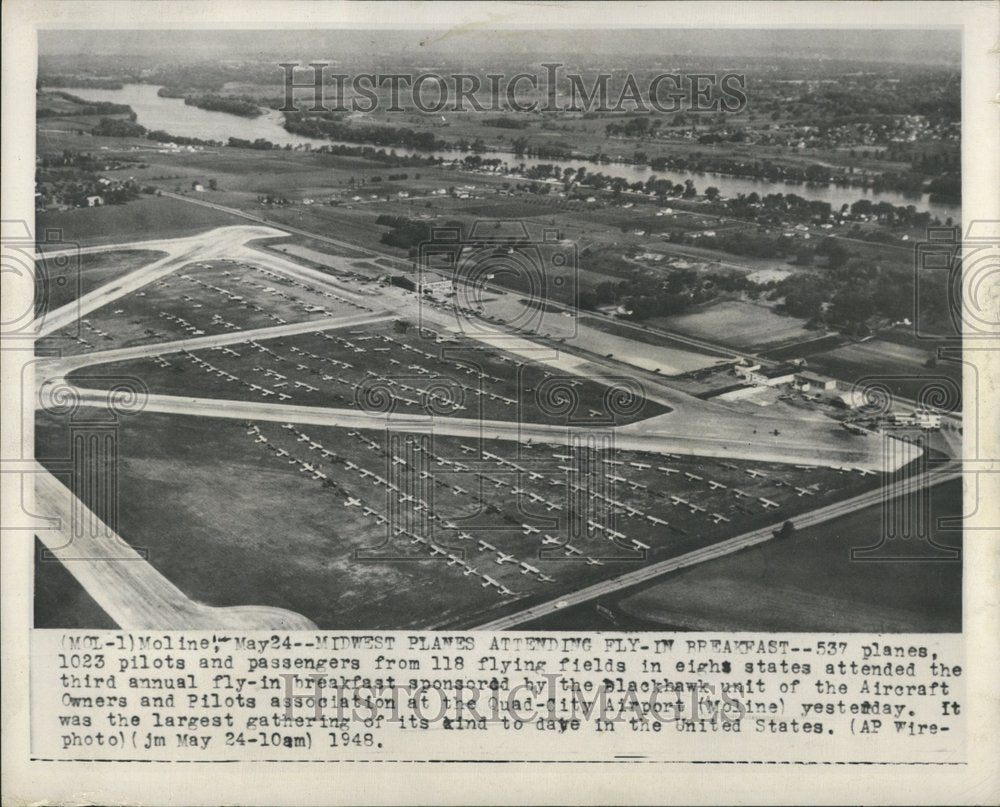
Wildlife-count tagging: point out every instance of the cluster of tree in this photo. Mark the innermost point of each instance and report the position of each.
(84, 82)
(260, 144)
(856, 297)
(910, 95)
(506, 123)
(643, 295)
(544, 151)
(404, 233)
(242, 106)
(946, 188)
(84, 107)
(334, 129)
(113, 127)
(476, 161)
(85, 161)
(638, 126)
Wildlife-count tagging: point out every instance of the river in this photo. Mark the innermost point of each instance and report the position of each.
(174, 116)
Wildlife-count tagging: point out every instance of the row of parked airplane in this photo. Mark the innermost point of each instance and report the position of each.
(306, 287)
(304, 467)
(192, 329)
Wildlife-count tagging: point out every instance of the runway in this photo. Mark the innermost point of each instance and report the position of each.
(864, 453)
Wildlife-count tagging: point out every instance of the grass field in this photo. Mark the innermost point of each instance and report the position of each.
(231, 514)
(64, 282)
(741, 324)
(60, 601)
(426, 372)
(809, 583)
(141, 220)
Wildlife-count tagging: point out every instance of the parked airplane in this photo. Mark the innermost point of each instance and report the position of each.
(717, 517)
(594, 562)
(527, 567)
(656, 520)
(767, 503)
(546, 579)
(485, 546)
(803, 492)
(503, 558)
(666, 470)
(529, 530)
(352, 502)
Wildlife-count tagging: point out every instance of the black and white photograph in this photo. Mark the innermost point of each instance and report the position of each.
(526, 402)
(560, 330)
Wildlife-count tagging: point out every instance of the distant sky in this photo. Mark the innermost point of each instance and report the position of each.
(901, 45)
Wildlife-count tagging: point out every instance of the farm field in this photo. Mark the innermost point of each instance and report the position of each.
(305, 518)
(144, 219)
(809, 583)
(743, 325)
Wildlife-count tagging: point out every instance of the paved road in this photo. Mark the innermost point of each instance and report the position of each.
(123, 583)
(717, 550)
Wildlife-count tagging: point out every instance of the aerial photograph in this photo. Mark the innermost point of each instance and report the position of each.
(621, 330)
